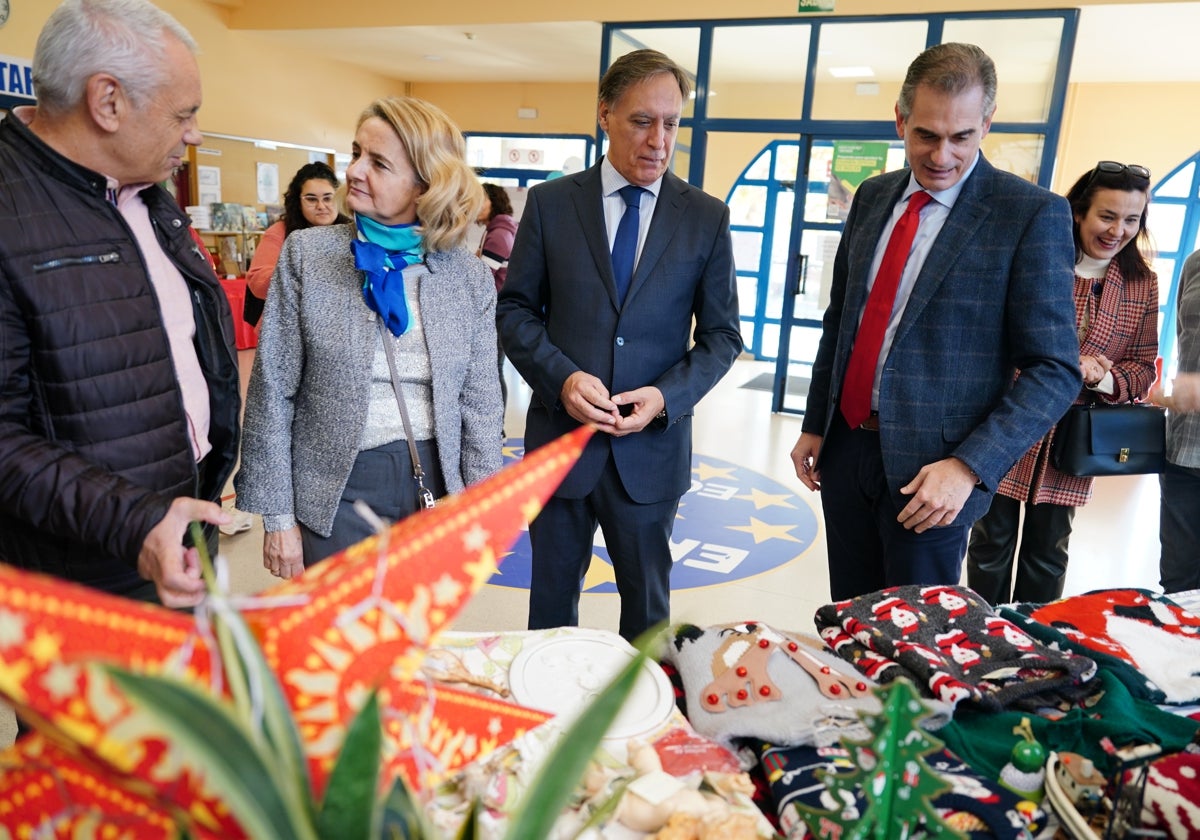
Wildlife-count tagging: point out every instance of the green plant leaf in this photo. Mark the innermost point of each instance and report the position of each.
(558, 777)
(234, 768)
(402, 817)
(349, 809)
(249, 677)
(469, 830)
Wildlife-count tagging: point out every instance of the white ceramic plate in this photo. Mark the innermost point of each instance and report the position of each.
(563, 674)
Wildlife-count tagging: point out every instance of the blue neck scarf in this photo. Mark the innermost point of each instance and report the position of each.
(381, 253)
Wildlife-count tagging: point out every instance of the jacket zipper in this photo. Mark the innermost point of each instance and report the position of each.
(52, 265)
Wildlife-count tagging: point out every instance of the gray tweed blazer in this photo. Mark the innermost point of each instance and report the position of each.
(307, 401)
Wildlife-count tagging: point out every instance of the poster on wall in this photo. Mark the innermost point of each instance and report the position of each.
(208, 183)
(854, 161)
(268, 183)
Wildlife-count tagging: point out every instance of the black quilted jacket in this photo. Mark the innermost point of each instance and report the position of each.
(93, 436)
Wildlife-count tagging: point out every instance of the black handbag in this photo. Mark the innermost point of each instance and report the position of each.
(1102, 439)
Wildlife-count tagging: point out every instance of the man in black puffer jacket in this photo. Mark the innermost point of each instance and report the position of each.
(118, 378)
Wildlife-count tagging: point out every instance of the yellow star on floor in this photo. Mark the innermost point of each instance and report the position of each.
(762, 531)
(762, 500)
(598, 573)
(705, 471)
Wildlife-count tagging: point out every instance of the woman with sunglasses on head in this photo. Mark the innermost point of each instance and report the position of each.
(1116, 310)
(311, 199)
(375, 375)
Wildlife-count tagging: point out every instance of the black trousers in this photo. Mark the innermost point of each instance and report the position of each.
(1179, 528)
(637, 537)
(383, 478)
(1041, 561)
(868, 549)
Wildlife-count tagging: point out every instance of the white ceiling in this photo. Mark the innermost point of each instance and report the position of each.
(1135, 42)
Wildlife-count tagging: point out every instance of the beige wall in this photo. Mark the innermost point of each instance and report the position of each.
(252, 88)
(1156, 127)
(562, 108)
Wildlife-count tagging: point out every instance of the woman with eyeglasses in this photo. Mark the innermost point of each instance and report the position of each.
(375, 374)
(311, 199)
(1116, 311)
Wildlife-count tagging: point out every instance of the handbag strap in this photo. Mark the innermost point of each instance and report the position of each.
(423, 492)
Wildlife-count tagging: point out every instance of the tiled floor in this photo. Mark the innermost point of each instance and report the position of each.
(1115, 542)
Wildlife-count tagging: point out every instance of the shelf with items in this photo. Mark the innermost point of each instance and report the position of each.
(233, 248)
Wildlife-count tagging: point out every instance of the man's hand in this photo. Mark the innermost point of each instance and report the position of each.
(283, 552)
(1185, 394)
(939, 492)
(586, 399)
(164, 560)
(646, 403)
(804, 457)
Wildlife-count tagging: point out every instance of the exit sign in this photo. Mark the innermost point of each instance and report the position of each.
(816, 6)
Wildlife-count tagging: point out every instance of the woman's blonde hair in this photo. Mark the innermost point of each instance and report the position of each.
(453, 198)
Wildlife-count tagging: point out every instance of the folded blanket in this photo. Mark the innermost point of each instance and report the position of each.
(952, 645)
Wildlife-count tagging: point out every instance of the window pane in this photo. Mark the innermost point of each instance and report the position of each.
(758, 71)
(682, 162)
(1179, 184)
(493, 151)
(787, 161)
(747, 250)
(748, 205)
(1164, 267)
(747, 295)
(1025, 51)
(682, 45)
(860, 67)
(1165, 222)
(1020, 154)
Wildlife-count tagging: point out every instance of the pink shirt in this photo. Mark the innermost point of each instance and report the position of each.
(174, 301)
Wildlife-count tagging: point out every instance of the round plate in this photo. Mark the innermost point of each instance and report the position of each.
(564, 674)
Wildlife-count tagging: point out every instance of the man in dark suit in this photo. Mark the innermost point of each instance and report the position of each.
(984, 289)
(597, 315)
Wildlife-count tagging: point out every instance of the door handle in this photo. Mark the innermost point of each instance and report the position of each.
(800, 283)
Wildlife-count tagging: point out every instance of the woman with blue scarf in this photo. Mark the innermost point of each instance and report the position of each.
(323, 424)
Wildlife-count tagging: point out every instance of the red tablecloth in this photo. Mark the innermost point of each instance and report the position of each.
(243, 334)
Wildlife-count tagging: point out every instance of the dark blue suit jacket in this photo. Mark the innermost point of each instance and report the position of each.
(558, 313)
(994, 295)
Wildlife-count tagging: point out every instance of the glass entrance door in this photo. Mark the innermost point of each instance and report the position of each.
(833, 169)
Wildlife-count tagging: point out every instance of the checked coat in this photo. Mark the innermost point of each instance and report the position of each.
(1122, 324)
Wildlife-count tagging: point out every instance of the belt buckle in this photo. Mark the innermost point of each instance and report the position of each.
(871, 424)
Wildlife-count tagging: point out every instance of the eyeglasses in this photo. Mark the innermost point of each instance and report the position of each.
(1114, 168)
(318, 200)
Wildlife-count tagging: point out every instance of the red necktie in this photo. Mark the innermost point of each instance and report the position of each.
(860, 372)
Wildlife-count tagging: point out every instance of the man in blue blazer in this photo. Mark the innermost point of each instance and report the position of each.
(619, 352)
(986, 289)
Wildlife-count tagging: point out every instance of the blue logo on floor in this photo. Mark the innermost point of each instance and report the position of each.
(733, 523)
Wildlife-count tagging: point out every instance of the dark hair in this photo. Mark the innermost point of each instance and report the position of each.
(951, 68)
(293, 216)
(1134, 259)
(638, 66)
(498, 196)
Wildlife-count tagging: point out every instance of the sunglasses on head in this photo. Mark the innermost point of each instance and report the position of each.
(1114, 168)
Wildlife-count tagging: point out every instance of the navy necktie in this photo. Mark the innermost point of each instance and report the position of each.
(624, 250)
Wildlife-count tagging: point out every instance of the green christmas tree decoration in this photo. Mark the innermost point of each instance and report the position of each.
(892, 777)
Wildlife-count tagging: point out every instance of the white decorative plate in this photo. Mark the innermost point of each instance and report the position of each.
(563, 674)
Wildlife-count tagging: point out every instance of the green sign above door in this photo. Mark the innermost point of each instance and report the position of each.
(815, 6)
